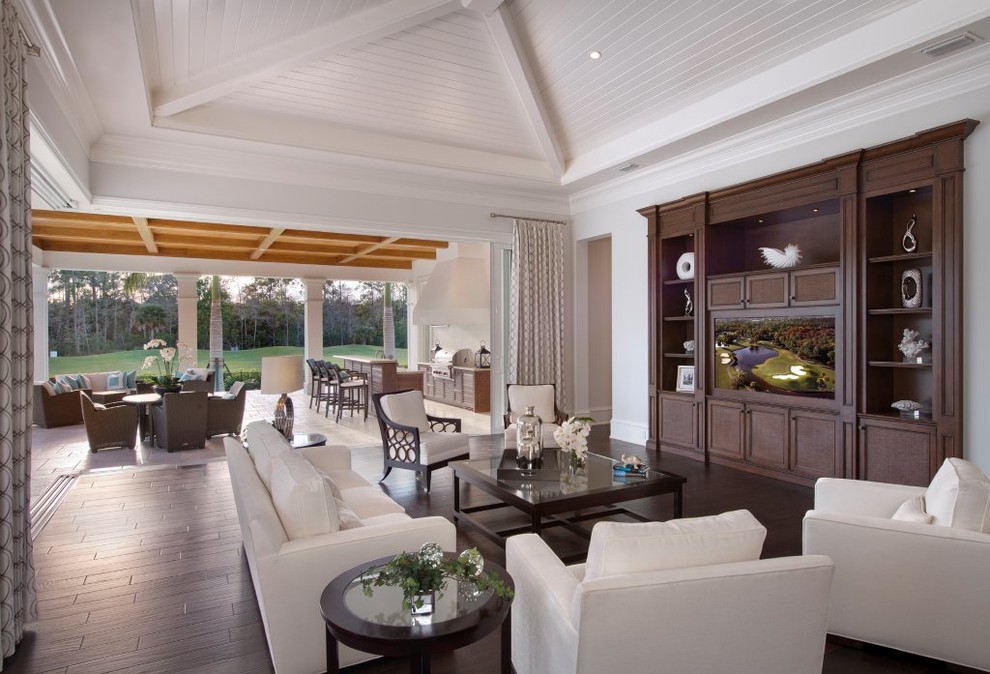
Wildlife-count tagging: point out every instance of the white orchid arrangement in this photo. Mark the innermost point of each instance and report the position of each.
(572, 437)
(166, 361)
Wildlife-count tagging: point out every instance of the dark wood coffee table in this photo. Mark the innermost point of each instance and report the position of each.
(378, 624)
(593, 490)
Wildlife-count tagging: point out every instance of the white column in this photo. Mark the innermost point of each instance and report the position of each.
(414, 343)
(40, 299)
(313, 322)
(187, 316)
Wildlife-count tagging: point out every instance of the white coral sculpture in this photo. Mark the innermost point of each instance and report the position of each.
(910, 345)
(782, 259)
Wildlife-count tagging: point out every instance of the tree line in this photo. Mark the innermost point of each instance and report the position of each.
(101, 312)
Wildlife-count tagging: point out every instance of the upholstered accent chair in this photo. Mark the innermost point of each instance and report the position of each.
(111, 425)
(414, 440)
(543, 397)
(912, 564)
(180, 421)
(689, 595)
(224, 414)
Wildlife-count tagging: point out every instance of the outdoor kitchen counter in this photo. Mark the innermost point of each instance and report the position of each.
(384, 376)
(467, 387)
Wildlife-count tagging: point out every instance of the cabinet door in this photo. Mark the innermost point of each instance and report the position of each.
(816, 444)
(725, 428)
(899, 452)
(458, 388)
(678, 421)
(764, 291)
(811, 287)
(766, 436)
(726, 293)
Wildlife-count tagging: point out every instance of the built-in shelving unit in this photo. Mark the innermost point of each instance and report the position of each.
(857, 274)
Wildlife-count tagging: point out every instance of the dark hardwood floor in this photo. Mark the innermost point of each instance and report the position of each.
(142, 570)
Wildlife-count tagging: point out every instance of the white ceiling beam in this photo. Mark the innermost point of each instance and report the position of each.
(353, 31)
(524, 82)
(267, 242)
(483, 7)
(146, 234)
(369, 249)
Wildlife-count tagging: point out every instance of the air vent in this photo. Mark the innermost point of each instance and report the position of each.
(951, 44)
(628, 166)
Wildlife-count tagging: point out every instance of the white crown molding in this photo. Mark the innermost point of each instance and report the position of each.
(46, 153)
(447, 186)
(967, 73)
(59, 70)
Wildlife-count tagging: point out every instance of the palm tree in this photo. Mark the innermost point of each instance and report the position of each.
(388, 324)
(216, 334)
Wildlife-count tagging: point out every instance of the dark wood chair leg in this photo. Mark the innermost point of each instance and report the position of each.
(426, 479)
(388, 469)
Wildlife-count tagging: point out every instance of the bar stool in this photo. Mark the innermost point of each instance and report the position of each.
(352, 391)
(315, 385)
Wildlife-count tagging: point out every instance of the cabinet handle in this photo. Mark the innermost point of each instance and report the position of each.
(792, 298)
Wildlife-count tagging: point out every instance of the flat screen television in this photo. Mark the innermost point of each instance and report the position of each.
(792, 356)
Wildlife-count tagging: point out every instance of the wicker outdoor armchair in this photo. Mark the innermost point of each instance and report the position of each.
(110, 425)
(225, 414)
(180, 421)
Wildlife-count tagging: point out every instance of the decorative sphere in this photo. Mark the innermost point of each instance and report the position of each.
(473, 557)
(431, 553)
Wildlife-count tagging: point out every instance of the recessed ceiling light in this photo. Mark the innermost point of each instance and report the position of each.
(595, 54)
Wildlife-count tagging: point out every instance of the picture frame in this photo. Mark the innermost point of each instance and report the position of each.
(685, 379)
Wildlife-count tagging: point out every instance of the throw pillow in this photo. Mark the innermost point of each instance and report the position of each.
(622, 548)
(913, 510)
(86, 383)
(115, 381)
(301, 498)
(188, 376)
(130, 379)
(67, 382)
(959, 496)
(49, 388)
(80, 381)
(59, 387)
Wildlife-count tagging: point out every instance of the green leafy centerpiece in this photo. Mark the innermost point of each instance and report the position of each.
(421, 576)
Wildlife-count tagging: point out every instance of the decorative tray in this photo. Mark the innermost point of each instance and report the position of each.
(508, 469)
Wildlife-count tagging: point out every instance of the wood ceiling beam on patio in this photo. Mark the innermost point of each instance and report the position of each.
(267, 242)
(146, 235)
(369, 249)
(83, 234)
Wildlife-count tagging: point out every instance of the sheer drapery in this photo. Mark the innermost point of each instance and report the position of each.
(18, 600)
(536, 317)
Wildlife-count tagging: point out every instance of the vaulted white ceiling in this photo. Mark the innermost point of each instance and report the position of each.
(438, 94)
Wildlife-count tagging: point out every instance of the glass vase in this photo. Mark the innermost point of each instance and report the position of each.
(529, 439)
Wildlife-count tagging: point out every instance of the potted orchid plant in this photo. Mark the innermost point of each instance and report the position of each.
(572, 437)
(165, 362)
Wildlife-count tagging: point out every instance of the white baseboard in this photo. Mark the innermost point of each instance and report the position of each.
(630, 431)
(601, 415)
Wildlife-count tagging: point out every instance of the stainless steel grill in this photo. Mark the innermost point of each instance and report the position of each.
(444, 361)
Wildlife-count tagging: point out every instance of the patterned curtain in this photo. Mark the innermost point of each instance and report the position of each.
(18, 600)
(536, 317)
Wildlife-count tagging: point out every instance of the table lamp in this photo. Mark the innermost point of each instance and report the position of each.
(282, 375)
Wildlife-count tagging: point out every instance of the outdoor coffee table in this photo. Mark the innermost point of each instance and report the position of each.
(594, 490)
(141, 401)
(378, 624)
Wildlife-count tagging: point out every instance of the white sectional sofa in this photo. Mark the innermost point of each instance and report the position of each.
(306, 517)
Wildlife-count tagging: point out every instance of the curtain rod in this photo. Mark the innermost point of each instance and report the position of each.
(523, 217)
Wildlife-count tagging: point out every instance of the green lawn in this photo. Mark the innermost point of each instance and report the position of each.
(236, 361)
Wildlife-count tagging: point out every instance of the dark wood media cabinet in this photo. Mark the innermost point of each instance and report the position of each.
(849, 216)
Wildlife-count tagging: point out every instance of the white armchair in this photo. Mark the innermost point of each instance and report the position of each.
(748, 617)
(543, 398)
(919, 588)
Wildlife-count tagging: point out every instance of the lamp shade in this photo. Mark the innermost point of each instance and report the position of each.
(281, 374)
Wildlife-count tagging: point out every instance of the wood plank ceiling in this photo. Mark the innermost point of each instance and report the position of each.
(120, 235)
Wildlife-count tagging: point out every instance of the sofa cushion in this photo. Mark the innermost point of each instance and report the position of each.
(434, 447)
(96, 381)
(621, 548)
(263, 443)
(913, 510)
(406, 409)
(367, 502)
(301, 497)
(348, 518)
(959, 497)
